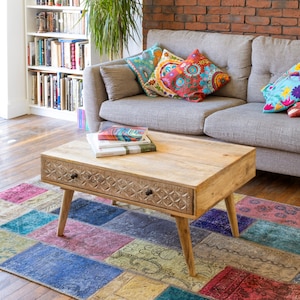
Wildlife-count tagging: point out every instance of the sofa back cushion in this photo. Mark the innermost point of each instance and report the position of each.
(230, 52)
(271, 57)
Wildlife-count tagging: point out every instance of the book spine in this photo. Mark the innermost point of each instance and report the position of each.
(140, 148)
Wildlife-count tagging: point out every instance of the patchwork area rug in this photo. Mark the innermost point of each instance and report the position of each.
(124, 252)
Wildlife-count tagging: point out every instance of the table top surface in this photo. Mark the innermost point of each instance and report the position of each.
(180, 159)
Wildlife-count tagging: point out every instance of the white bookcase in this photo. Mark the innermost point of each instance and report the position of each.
(58, 47)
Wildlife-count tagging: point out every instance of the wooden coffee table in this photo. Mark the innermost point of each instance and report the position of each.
(184, 178)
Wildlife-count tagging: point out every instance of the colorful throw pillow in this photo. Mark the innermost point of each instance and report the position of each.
(195, 78)
(294, 111)
(144, 64)
(284, 92)
(167, 63)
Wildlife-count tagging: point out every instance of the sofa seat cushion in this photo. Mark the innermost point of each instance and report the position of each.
(164, 114)
(254, 128)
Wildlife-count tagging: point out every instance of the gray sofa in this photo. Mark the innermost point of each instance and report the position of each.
(232, 114)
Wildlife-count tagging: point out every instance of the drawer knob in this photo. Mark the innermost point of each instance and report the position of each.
(75, 175)
(149, 192)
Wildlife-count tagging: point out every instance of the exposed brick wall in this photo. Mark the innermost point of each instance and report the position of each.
(278, 18)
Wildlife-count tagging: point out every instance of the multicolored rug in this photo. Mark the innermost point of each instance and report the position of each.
(124, 252)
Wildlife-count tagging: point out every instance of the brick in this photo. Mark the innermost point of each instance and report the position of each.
(285, 4)
(149, 10)
(147, 2)
(218, 10)
(218, 27)
(163, 17)
(208, 18)
(269, 12)
(196, 26)
(257, 20)
(232, 19)
(233, 3)
(291, 31)
(209, 2)
(284, 21)
(291, 13)
(185, 18)
(163, 2)
(259, 3)
(172, 9)
(195, 10)
(269, 30)
(186, 3)
(243, 28)
(173, 25)
(245, 11)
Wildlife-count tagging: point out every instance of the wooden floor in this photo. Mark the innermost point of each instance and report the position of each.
(24, 138)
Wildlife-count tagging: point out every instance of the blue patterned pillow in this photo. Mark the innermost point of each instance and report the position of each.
(284, 92)
(144, 64)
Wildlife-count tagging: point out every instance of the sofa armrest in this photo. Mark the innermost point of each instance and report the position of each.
(94, 93)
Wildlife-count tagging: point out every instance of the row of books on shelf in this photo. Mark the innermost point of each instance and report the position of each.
(60, 2)
(120, 140)
(59, 53)
(73, 22)
(57, 91)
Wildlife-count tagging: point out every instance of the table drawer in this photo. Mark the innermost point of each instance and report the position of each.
(123, 186)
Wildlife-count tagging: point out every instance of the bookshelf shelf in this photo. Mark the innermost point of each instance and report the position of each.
(54, 7)
(58, 48)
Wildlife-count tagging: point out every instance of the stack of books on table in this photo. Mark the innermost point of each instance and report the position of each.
(120, 140)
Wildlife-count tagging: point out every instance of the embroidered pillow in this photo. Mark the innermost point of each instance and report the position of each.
(294, 111)
(195, 78)
(144, 64)
(120, 81)
(284, 92)
(167, 63)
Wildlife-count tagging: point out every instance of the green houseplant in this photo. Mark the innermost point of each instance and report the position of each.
(112, 24)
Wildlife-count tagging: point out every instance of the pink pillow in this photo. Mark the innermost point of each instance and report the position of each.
(294, 111)
(195, 78)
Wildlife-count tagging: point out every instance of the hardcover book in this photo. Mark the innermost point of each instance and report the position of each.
(117, 143)
(120, 150)
(123, 133)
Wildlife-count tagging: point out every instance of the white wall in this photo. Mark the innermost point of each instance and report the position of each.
(13, 101)
(136, 46)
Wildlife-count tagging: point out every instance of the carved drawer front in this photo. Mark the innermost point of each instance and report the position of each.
(111, 183)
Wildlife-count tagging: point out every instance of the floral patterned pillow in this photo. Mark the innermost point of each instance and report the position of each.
(144, 64)
(195, 78)
(284, 92)
(294, 111)
(167, 63)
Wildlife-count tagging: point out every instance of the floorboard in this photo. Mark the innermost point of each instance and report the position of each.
(23, 139)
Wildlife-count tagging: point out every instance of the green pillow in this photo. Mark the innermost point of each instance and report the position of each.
(284, 92)
(144, 64)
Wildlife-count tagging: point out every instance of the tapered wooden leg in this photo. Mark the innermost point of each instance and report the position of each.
(186, 243)
(64, 211)
(229, 201)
